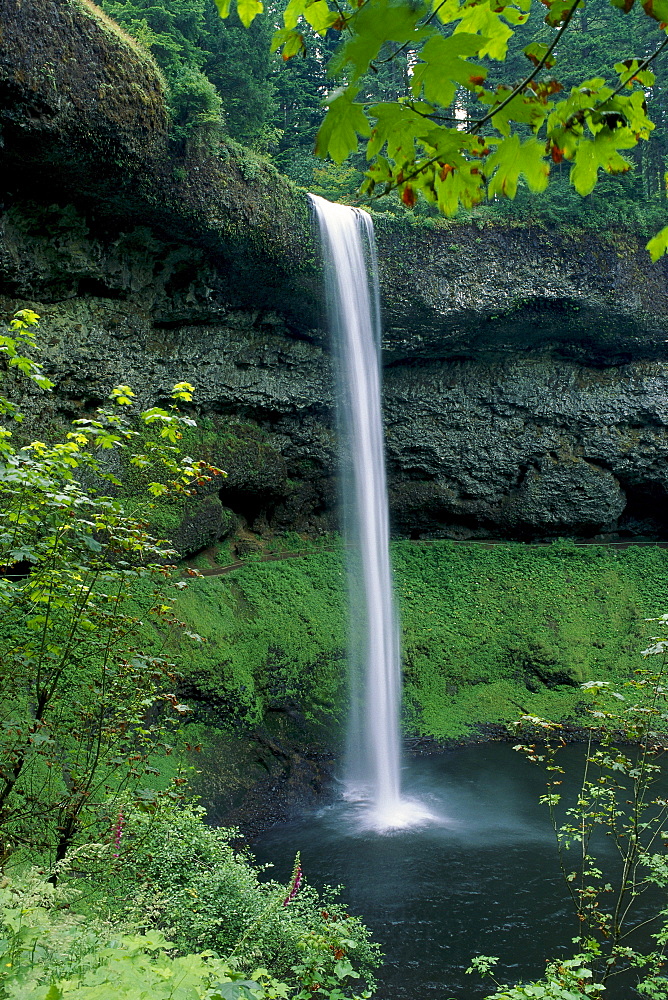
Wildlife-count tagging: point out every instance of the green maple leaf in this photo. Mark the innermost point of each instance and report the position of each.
(293, 12)
(486, 22)
(601, 151)
(585, 97)
(292, 42)
(223, 7)
(248, 11)
(442, 67)
(344, 119)
(446, 10)
(628, 72)
(557, 10)
(536, 51)
(398, 126)
(319, 16)
(527, 110)
(458, 186)
(380, 172)
(448, 143)
(513, 159)
(374, 24)
(658, 9)
(633, 109)
(658, 245)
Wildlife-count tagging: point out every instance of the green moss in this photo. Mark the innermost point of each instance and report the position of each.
(488, 633)
(228, 439)
(117, 35)
(276, 634)
(74, 50)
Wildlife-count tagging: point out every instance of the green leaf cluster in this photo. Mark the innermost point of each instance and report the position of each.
(48, 951)
(217, 71)
(75, 692)
(500, 136)
(186, 878)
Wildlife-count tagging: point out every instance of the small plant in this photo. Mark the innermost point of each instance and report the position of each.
(567, 980)
(618, 797)
(49, 952)
(82, 706)
(179, 876)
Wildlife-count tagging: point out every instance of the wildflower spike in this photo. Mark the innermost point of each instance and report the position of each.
(295, 881)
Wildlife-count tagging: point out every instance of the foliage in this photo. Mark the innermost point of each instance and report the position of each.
(176, 874)
(488, 630)
(217, 74)
(223, 71)
(456, 134)
(50, 952)
(275, 636)
(85, 716)
(196, 106)
(75, 691)
(484, 630)
(619, 800)
(570, 979)
(238, 63)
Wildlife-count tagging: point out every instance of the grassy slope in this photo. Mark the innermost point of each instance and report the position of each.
(487, 632)
(492, 633)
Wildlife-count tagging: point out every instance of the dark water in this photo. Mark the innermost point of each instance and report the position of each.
(483, 880)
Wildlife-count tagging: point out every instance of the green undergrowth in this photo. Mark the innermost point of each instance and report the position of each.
(274, 639)
(488, 632)
(492, 633)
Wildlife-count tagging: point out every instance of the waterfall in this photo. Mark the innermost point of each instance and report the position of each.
(373, 766)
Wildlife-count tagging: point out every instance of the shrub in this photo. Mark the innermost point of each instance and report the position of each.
(180, 876)
(49, 952)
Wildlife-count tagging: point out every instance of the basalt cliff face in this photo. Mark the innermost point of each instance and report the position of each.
(525, 371)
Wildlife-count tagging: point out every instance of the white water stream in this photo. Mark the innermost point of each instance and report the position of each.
(374, 747)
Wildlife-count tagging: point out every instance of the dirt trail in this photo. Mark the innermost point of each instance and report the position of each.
(240, 563)
(487, 543)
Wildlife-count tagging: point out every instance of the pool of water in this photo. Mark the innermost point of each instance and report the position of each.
(481, 878)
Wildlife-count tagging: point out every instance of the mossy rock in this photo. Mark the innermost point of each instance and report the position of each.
(202, 523)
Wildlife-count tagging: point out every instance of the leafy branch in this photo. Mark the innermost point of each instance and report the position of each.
(534, 73)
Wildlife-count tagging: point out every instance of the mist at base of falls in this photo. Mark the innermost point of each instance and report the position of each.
(480, 876)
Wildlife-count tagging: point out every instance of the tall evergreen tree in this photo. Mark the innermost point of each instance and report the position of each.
(217, 71)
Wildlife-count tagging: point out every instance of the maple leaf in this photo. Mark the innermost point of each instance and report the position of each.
(290, 41)
(398, 126)
(344, 119)
(443, 65)
(373, 25)
(601, 151)
(513, 159)
(658, 245)
(248, 11)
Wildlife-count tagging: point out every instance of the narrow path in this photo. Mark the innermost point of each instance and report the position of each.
(240, 563)
(485, 543)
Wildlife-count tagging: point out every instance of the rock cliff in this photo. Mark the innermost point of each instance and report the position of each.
(525, 370)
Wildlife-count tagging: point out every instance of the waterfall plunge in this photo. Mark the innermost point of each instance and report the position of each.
(374, 750)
